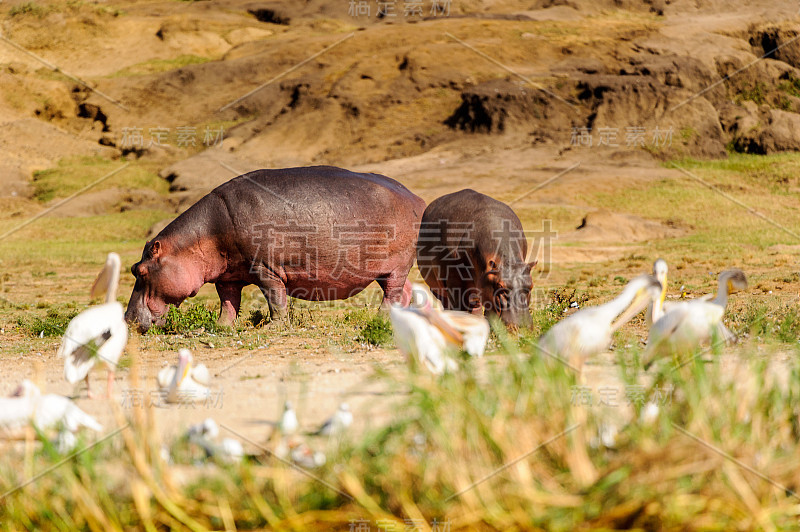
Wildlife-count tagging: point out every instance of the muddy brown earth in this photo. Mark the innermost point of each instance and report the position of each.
(499, 96)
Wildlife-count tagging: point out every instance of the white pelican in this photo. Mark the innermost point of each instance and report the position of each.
(687, 324)
(98, 333)
(184, 383)
(205, 435)
(425, 332)
(655, 309)
(589, 331)
(288, 424)
(338, 423)
(28, 406)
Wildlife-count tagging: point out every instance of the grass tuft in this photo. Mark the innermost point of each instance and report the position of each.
(28, 8)
(377, 331)
(188, 319)
(54, 323)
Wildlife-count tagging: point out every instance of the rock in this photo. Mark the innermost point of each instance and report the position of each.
(243, 35)
(500, 106)
(190, 37)
(606, 226)
(110, 200)
(780, 132)
(671, 121)
(28, 144)
(781, 40)
(200, 174)
(272, 13)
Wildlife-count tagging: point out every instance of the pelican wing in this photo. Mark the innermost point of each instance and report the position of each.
(419, 340)
(15, 414)
(54, 410)
(165, 376)
(683, 327)
(585, 333)
(97, 333)
(201, 375)
(474, 330)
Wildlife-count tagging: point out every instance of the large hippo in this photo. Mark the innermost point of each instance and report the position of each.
(317, 233)
(471, 252)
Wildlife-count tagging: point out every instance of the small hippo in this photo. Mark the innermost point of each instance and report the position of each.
(317, 233)
(471, 252)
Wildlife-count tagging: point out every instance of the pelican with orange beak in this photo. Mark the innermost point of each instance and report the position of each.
(656, 308)
(186, 382)
(685, 325)
(589, 331)
(426, 333)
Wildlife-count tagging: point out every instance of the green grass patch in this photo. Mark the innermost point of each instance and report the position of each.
(557, 302)
(755, 93)
(187, 319)
(155, 66)
(73, 174)
(788, 327)
(258, 318)
(377, 331)
(790, 86)
(28, 8)
(52, 324)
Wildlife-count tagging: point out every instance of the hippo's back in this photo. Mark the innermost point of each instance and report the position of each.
(469, 206)
(320, 191)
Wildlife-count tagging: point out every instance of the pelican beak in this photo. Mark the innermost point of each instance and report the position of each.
(731, 287)
(100, 285)
(663, 282)
(184, 368)
(639, 303)
(449, 332)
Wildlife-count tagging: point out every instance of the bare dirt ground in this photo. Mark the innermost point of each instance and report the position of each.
(406, 99)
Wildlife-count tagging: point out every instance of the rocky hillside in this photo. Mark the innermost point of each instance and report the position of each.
(200, 91)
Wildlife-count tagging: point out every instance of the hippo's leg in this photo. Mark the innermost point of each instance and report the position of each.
(396, 289)
(438, 288)
(230, 297)
(458, 294)
(275, 293)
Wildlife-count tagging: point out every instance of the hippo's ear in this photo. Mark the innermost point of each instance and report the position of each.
(155, 249)
(531, 264)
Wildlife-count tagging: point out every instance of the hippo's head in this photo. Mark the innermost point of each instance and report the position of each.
(508, 288)
(162, 278)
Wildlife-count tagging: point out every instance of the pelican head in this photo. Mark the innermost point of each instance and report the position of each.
(655, 310)
(108, 279)
(733, 279)
(184, 366)
(644, 289)
(419, 296)
(344, 407)
(287, 406)
(660, 272)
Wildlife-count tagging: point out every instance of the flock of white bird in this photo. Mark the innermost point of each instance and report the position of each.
(425, 333)
(431, 336)
(675, 327)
